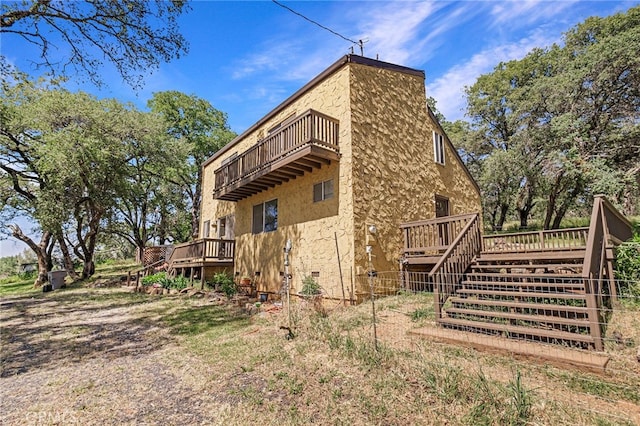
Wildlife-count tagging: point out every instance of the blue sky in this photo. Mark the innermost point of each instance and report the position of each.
(245, 57)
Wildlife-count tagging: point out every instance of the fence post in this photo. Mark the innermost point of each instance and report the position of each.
(373, 301)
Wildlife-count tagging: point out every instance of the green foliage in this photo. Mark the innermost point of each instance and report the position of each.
(153, 278)
(423, 314)
(225, 283)
(179, 283)
(16, 285)
(8, 265)
(552, 129)
(202, 130)
(161, 278)
(310, 286)
(627, 266)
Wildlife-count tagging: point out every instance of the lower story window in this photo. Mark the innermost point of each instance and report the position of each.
(265, 217)
(323, 190)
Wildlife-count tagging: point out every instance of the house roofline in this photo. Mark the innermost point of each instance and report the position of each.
(354, 59)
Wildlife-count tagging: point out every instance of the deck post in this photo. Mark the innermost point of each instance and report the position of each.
(202, 277)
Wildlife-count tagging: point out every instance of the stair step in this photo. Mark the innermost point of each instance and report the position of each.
(523, 280)
(525, 276)
(551, 287)
(522, 317)
(527, 294)
(520, 305)
(532, 266)
(521, 257)
(516, 329)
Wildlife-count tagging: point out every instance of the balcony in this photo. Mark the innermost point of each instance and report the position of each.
(202, 252)
(306, 143)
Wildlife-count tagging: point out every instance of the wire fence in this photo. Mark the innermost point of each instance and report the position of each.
(545, 320)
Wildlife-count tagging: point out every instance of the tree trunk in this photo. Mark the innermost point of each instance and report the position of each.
(43, 275)
(66, 256)
(88, 267)
(87, 243)
(551, 208)
(39, 249)
(525, 203)
(504, 208)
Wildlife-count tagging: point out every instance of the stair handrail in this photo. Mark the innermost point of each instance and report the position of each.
(604, 218)
(447, 273)
(145, 269)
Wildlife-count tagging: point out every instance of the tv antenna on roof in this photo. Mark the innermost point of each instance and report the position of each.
(360, 44)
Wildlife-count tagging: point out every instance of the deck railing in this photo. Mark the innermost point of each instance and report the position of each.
(607, 226)
(448, 272)
(311, 128)
(523, 242)
(203, 250)
(432, 237)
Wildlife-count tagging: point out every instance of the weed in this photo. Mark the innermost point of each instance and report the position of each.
(521, 401)
(310, 286)
(225, 283)
(596, 386)
(422, 314)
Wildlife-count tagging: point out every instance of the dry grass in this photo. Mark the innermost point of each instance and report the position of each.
(104, 356)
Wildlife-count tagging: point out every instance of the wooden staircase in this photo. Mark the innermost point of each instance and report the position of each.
(549, 286)
(540, 298)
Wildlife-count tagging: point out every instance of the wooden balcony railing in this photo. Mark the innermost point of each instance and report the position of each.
(426, 240)
(202, 251)
(306, 143)
(523, 242)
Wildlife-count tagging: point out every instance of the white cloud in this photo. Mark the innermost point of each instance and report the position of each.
(448, 90)
(519, 13)
(273, 55)
(392, 29)
(409, 33)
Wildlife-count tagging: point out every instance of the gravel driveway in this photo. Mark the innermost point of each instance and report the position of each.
(89, 356)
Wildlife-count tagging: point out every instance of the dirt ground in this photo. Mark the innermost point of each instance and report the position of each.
(105, 356)
(73, 360)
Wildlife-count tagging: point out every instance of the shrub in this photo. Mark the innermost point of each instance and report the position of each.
(154, 278)
(627, 267)
(310, 286)
(179, 283)
(225, 282)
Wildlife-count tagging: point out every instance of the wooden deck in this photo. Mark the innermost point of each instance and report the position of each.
(194, 257)
(308, 142)
(549, 286)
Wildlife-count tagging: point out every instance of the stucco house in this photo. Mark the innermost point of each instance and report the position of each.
(356, 146)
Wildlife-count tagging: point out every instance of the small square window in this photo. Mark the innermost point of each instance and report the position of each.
(438, 148)
(323, 190)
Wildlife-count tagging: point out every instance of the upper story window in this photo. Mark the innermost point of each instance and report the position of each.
(438, 148)
(206, 226)
(323, 190)
(265, 217)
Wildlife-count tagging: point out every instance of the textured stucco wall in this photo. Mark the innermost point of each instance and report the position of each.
(386, 176)
(395, 175)
(311, 226)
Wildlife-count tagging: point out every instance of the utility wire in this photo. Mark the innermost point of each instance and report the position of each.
(359, 43)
